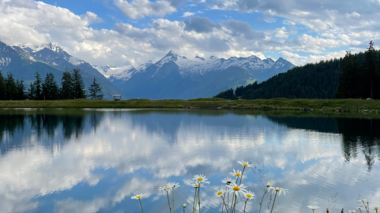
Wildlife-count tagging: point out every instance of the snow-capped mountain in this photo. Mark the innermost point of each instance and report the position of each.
(179, 77)
(262, 69)
(24, 61)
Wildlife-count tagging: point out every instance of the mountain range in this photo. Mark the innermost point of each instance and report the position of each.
(172, 77)
(23, 62)
(179, 77)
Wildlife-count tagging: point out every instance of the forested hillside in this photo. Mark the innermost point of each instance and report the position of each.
(348, 77)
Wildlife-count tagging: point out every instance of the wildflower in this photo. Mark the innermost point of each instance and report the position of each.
(313, 207)
(192, 184)
(249, 195)
(173, 185)
(227, 181)
(269, 184)
(137, 197)
(238, 173)
(351, 211)
(200, 178)
(184, 205)
(237, 190)
(164, 189)
(279, 191)
(245, 164)
(219, 192)
(359, 207)
(376, 208)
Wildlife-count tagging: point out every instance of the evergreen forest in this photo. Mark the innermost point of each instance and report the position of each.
(354, 76)
(72, 87)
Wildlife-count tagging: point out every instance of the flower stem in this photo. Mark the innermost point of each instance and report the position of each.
(273, 202)
(170, 208)
(199, 197)
(263, 199)
(194, 204)
(245, 205)
(224, 204)
(242, 173)
(173, 200)
(141, 206)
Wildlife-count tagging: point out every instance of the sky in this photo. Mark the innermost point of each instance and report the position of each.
(132, 32)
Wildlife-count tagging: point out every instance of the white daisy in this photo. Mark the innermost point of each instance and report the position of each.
(173, 185)
(200, 179)
(245, 164)
(238, 173)
(237, 189)
(313, 207)
(138, 196)
(359, 207)
(279, 191)
(269, 184)
(227, 181)
(193, 184)
(351, 211)
(249, 195)
(219, 192)
(164, 189)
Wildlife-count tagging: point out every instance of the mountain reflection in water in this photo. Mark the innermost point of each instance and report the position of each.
(71, 160)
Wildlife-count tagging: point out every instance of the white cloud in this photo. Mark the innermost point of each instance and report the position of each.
(141, 8)
(187, 14)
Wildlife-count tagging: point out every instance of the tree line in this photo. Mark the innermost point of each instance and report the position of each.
(72, 87)
(354, 76)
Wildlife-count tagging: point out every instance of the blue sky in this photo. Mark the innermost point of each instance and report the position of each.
(131, 32)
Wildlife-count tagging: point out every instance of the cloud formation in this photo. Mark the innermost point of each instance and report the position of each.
(309, 28)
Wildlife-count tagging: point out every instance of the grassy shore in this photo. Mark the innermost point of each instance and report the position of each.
(340, 105)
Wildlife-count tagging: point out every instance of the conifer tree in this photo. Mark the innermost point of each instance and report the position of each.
(370, 70)
(78, 85)
(38, 95)
(67, 86)
(31, 92)
(10, 87)
(95, 91)
(2, 87)
(50, 87)
(20, 90)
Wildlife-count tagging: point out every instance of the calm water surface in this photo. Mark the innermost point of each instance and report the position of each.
(93, 160)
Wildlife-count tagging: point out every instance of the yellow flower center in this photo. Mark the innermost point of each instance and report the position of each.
(200, 179)
(245, 164)
(249, 196)
(196, 185)
(220, 192)
(376, 208)
(166, 187)
(238, 174)
(365, 206)
(138, 197)
(362, 200)
(278, 189)
(367, 201)
(236, 188)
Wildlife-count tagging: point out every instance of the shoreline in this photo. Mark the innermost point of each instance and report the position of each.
(282, 104)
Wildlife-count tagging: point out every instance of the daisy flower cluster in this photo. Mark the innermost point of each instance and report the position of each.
(232, 191)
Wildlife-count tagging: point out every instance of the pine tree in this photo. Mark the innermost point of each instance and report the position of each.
(78, 85)
(95, 91)
(66, 86)
(2, 87)
(20, 91)
(31, 92)
(50, 87)
(370, 70)
(10, 87)
(38, 95)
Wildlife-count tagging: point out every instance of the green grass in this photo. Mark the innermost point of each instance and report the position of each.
(343, 105)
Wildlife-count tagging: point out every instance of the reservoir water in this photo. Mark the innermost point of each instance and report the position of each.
(86, 160)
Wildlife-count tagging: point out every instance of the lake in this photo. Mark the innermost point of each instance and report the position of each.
(86, 160)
